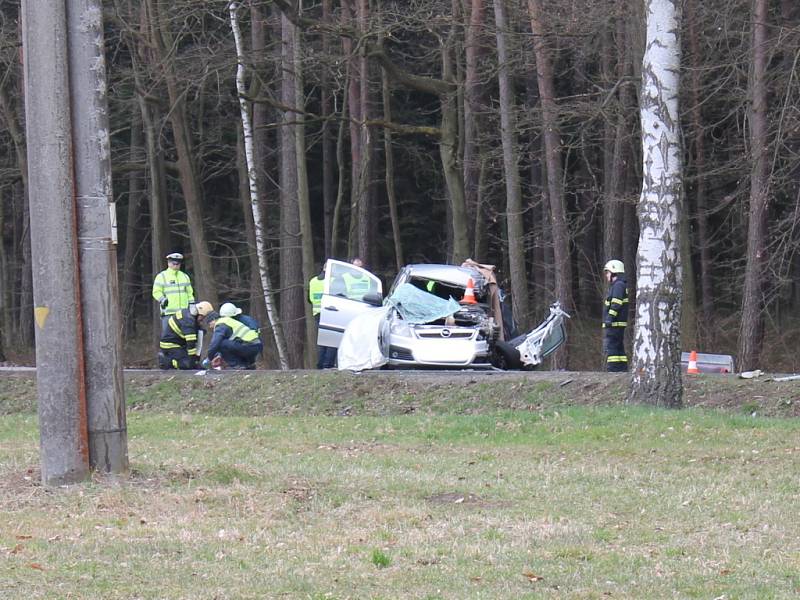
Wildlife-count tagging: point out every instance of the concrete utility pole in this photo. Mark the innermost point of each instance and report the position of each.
(97, 238)
(79, 381)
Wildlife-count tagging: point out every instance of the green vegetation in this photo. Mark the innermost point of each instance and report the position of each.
(548, 500)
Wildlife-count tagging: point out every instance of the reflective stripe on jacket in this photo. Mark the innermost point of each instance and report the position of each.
(180, 331)
(615, 308)
(230, 328)
(176, 287)
(315, 290)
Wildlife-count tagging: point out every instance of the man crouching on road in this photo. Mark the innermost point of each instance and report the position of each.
(178, 346)
(233, 343)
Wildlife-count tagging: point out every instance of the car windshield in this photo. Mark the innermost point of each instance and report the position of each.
(440, 289)
(418, 306)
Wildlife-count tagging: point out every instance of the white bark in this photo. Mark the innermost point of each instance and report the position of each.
(247, 127)
(656, 377)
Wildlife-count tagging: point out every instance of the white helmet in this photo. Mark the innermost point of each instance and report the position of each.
(614, 267)
(174, 256)
(229, 310)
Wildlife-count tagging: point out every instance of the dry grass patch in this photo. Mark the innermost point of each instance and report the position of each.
(579, 503)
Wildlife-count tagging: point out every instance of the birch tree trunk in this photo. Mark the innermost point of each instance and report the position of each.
(247, 128)
(508, 136)
(751, 329)
(656, 377)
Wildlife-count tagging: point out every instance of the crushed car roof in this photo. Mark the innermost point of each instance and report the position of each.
(452, 274)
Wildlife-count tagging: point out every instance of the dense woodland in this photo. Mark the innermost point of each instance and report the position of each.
(432, 131)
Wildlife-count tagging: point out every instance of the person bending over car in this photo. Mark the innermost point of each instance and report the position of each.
(233, 343)
(178, 346)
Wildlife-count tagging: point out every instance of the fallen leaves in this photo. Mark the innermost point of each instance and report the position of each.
(532, 577)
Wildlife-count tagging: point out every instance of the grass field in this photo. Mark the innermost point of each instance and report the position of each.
(564, 501)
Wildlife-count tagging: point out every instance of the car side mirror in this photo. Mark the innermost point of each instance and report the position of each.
(373, 298)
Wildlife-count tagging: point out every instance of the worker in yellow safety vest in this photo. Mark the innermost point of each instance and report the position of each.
(172, 288)
(234, 342)
(356, 284)
(326, 355)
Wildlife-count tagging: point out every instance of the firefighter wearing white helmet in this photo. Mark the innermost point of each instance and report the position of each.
(179, 347)
(615, 316)
(235, 343)
(172, 288)
(229, 309)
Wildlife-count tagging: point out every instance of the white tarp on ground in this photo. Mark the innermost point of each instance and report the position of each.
(360, 346)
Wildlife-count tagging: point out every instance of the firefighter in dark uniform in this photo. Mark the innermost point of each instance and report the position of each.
(615, 317)
(178, 348)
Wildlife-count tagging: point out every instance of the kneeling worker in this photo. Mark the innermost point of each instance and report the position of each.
(237, 344)
(178, 346)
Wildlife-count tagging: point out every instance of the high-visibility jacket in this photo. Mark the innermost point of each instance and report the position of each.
(615, 308)
(230, 328)
(176, 287)
(315, 288)
(180, 331)
(356, 286)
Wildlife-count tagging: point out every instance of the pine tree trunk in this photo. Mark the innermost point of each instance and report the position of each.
(130, 273)
(702, 239)
(473, 92)
(389, 162)
(303, 200)
(203, 280)
(328, 145)
(25, 334)
(508, 135)
(552, 142)
(751, 329)
(291, 259)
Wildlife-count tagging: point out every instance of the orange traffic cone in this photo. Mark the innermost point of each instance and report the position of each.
(692, 368)
(469, 293)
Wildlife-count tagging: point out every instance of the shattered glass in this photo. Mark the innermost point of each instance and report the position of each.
(417, 306)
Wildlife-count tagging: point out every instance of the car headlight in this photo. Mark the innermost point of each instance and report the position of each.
(399, 327)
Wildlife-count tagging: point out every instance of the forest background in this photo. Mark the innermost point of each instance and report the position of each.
(434, 131)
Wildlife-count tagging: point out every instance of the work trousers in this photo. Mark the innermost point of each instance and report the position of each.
(614, 349)
(176, 358)
(236, 353)
(326, 355)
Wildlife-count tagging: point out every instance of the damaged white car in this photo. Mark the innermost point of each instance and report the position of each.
(434, 316)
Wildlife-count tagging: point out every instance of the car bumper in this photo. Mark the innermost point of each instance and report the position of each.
(443, 353)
